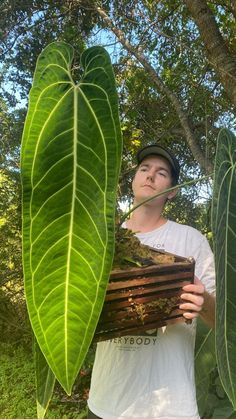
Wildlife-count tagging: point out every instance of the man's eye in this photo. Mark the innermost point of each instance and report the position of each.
(162, 174)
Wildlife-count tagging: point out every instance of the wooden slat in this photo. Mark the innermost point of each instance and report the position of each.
(132, 320)
(136, 331)
(140, 300)
(111, 296)
(134, 272)
(144, 280)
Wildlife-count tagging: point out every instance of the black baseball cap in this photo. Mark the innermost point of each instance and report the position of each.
(156, 149)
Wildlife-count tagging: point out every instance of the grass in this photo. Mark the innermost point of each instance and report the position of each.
(17, 387)
(17, 383)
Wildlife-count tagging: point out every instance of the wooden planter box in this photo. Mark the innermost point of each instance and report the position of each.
(139, 299)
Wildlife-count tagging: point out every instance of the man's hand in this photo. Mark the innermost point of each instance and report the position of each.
(198, 302)
(193, 297)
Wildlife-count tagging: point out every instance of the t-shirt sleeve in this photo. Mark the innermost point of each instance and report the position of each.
(205, 266)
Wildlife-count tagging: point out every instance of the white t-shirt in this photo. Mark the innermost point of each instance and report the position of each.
(151, 376)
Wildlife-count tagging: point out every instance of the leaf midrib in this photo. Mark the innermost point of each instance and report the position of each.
(75, 133)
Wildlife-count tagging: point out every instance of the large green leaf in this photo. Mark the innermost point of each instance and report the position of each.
(205, 363)
(224, 231)
(71, 154)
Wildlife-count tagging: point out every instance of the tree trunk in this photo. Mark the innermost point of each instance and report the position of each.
(218, 53)
(200, 157)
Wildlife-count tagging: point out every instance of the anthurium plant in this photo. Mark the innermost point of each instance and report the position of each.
(217, 348)
(70, 163)
(224, 233)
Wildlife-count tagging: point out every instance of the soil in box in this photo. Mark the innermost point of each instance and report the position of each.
(146, 297)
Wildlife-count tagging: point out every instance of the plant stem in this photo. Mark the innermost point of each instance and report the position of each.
(190, 182)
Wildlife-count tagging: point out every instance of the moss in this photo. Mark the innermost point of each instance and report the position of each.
(163, 305)
(129, 252)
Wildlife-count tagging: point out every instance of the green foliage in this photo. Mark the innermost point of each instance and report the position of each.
(165, 33)
(10, 229)
(45, 381)
(10, 203)
(185, 209)
(205, 363)
(217, 404)
(17, 387)
(26, 28)
(14, 325)
(71, 153)
(223, 226)
(212, 398)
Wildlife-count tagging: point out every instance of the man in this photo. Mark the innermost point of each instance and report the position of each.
(152, 376)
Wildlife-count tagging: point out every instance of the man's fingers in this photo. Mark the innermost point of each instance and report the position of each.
(196, 288)
(191, 316)
(193, 298)
(189, 306)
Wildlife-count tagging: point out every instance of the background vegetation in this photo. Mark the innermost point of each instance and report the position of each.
(175, 65)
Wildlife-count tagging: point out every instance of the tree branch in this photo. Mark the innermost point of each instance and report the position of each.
(206, 164)
(218, 53)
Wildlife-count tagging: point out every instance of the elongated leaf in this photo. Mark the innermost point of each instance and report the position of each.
(71, 154)
(205, 363)
(45, 381)
(224, 231)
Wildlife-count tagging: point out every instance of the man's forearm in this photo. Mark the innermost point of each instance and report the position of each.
(208, 309)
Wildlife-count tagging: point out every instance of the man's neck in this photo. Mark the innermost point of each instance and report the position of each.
(145, 219)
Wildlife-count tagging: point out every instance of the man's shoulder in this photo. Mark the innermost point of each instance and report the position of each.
(185, 229)
(186, 240)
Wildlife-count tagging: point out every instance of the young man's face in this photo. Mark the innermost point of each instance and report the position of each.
(153, 175)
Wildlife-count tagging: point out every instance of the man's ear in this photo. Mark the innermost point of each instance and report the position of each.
(172, 194)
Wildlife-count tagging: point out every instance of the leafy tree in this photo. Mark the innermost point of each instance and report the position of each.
(182, 98)
(220, 55)
(26, 28)
(163, 35)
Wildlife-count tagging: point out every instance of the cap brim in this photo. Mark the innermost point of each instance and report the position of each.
(159, 151)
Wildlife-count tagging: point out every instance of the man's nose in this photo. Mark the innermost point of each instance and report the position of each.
(150, 177)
